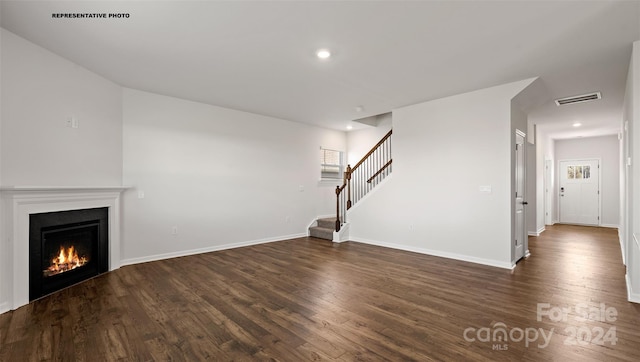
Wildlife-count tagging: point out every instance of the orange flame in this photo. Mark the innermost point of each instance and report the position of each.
(66, 260)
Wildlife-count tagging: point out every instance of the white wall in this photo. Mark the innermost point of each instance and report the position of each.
(443, 151)
(532, 181)
(605, 148)
(360, 142)
(634, 270)
(223, 177)
(4, 250)
(40, 92)
(545, 147)
(631, 137)
(550, 152)
(541, 183)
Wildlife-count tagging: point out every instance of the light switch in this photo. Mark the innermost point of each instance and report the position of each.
(72, 122)
(485, 189)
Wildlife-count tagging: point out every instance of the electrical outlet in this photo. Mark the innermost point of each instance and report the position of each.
(141, 194)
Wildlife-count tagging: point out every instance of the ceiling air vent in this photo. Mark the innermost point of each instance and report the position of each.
(578, 99)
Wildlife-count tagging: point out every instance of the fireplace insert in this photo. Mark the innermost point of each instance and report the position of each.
(65, 248)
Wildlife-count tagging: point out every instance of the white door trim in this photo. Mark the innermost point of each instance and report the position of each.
(520, 230)
(548, 192)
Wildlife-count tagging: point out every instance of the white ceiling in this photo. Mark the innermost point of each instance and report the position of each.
(260, 56)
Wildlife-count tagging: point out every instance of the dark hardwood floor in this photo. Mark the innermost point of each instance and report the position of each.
(309, 299)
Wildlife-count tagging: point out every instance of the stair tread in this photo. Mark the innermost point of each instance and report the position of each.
(321, 228)
(328, 219)
(321, 232)
(329, 223)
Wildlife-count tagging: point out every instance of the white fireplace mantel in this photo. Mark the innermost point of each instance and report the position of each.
(20, 202)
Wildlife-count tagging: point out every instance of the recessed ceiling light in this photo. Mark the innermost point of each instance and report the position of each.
(323, 53)
(349, 127)
(577, 124)
(359, 109)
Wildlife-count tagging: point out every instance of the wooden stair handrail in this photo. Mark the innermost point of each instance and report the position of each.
(347, 179)
(380, 171)
(338, 191)
(373, 149)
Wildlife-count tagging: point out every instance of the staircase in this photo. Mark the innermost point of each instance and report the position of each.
(374, 167)
(324, 230)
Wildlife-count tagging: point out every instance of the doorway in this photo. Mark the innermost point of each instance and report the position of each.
(579, 196)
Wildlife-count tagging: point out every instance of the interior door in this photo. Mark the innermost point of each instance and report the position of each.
(579, 192)
(520, 233)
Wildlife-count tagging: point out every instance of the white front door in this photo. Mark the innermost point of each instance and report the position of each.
(580, 192)
(520, 233)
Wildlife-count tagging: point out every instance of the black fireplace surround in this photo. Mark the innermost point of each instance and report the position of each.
(83, 231)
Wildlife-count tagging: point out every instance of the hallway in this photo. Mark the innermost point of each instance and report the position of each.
(580, 268)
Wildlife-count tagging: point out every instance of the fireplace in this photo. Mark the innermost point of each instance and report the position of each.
(65, 248)
(18, 203)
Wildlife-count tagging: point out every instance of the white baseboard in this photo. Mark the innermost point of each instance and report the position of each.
(538, 232)
(612, 226)
(177, 254)
(621, 241)
(631, 296)
(442, 254)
